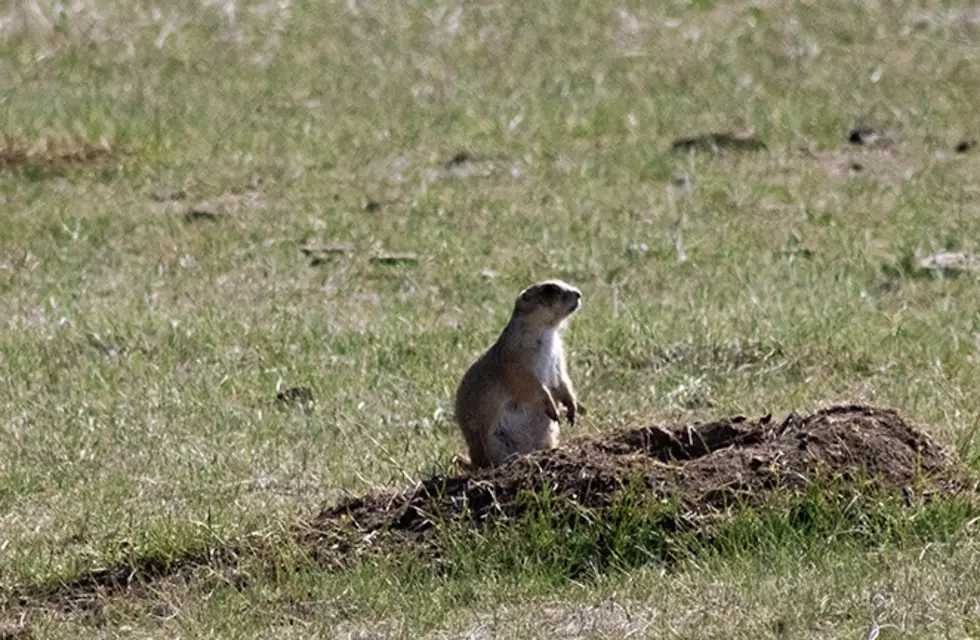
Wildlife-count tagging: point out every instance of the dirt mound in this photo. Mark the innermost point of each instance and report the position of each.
(703, 468)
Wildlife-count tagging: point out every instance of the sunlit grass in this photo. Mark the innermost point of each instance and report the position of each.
(142, 348)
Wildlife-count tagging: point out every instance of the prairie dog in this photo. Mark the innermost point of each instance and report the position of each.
(507, 402)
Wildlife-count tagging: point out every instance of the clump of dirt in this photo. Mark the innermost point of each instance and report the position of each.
(703, 468)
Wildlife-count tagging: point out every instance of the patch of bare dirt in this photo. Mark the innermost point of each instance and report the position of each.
(46, 163)
(88, 591)
(703, 468)
(871, 160)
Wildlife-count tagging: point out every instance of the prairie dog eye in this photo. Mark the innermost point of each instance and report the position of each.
(550, 290)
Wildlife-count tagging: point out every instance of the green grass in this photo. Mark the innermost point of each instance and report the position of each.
(141, 353)
(548, 553)
(555, 545)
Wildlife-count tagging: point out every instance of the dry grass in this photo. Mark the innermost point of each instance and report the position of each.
(143, 346)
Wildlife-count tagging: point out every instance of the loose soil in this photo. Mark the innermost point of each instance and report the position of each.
(703, 468)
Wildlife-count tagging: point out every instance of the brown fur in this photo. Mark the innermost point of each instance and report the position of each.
(507, 402)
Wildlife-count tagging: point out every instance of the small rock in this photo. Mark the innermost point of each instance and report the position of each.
(867, 136)
(638, 250)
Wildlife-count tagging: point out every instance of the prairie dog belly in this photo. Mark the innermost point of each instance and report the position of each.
(547, 353)
(521, 428)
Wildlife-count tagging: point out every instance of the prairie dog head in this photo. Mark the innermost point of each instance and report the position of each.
(547, 304)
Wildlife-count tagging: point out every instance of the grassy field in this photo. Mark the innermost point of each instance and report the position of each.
(162, 166)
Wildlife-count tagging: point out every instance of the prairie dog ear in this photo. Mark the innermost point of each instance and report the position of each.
(526, 300)
(523, 300)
